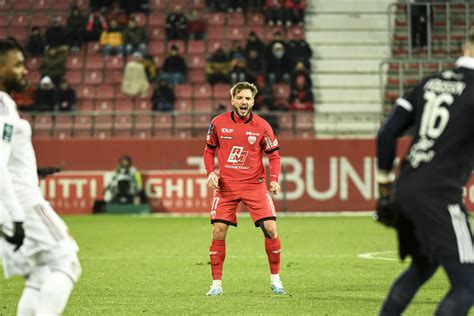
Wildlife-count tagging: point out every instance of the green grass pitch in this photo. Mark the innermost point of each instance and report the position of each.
(136, 265)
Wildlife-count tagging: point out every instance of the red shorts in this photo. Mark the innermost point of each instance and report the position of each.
(258, 201)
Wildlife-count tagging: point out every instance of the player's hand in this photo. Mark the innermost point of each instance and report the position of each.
(274, 187)
(18, 235)
(384, 212)
(213, 181)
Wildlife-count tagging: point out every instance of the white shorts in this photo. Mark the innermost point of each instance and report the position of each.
(47, 242)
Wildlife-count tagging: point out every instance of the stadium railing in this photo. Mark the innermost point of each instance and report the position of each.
(447, 28)
(397, 75)
(152, 124)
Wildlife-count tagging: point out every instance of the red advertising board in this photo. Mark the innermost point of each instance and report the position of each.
(317, 175)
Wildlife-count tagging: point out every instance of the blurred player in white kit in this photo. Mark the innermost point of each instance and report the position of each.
(34, 241)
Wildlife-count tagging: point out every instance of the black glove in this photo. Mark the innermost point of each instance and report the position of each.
(384, 212)
(18, 235)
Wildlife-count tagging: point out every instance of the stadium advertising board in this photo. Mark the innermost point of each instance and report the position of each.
(317, 175)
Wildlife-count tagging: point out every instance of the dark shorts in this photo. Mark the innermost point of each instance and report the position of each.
(430, 226)
(259, 204)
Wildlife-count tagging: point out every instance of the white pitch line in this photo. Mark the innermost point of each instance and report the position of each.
(379, 255)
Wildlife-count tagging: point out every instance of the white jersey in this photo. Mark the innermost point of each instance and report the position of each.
(46, 235)
(9, 120)
(22, 166)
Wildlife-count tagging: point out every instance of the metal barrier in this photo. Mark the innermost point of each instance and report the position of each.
(408, 72)
(151, 124)
(451, 19)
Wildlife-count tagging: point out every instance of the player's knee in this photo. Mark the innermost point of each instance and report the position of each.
(219, 232)
(70, 266)
(269, 229)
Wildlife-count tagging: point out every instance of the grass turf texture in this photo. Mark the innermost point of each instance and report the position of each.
(155, 265)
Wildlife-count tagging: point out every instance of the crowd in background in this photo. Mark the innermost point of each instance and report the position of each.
(111, 24)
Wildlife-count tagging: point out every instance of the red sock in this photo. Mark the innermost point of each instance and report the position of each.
(273, 249)
(217, 255)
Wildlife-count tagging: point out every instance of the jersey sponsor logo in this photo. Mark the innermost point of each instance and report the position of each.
(227, 130)
(7, 132)
(252, 139)
(252, 134)
(226, 137)
(237, 155)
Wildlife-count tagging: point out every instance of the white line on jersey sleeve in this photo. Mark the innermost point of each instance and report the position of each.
(404, 104)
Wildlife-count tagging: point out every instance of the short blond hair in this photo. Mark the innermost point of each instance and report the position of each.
(239, 86)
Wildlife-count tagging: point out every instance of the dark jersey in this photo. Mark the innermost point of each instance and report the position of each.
(441, 108)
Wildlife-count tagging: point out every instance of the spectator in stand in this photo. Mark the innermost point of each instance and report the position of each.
(118, 14)
(135, 38)
(301, 98)
(45, 95)
(419, 23)
(54, 65)
(217, 5)
(255, 66)
(150, 68)
(111, 40)
(218, 108)
(274, 12)
(217, 67)
(174, 69)
(35, 43)
(25, 100)
(131, 6)
(295, 11)
(97, 5)
(236, 5)
(254, 43)
(236, 51)
(265, 112)
(237, 71)
(300, 74)
(196, 26)
(299, 49)
(265, 96)
(163, 97)
(277, 37)
(135, 81)
(176, 24)
(278, 65)
(255, 5)
(96, 24)
(65, 97)
(56, 36)
(75, 26)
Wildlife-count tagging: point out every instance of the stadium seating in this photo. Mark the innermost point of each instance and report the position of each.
(97, 80)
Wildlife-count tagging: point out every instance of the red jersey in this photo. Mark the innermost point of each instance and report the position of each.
(240, 144)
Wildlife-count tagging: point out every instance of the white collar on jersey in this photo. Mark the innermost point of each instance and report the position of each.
(466, 62)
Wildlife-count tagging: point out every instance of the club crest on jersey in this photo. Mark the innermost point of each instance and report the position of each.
(252, 139)
(7, 132)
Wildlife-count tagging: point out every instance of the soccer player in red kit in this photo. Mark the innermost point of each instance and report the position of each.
(240, 138)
